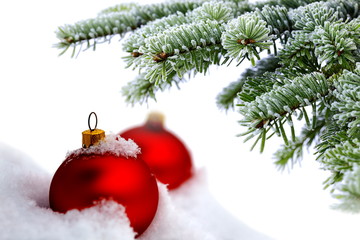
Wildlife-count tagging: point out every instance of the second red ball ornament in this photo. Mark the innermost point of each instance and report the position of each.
(106, 168)
(167, 156)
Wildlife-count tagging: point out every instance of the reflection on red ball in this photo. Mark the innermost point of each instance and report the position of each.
(166, 154)
(85, 179)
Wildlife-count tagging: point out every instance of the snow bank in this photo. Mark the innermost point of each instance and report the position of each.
(189, 213)
(197, 202)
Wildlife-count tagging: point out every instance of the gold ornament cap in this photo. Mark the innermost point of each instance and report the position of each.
(156, 117)
(155, 121)
(93, 135)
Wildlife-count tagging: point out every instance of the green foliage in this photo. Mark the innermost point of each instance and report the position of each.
(217, 11)
(188, 47)
(272, 109)
(183, 38)
(117, 20)
(278, 21)
(347, 104)
(151, 12)
(334, 46)
(349, 188)
(284, 99)
(245, 37)
(123, 7)
(311, 74)
(299, 54)
(293, 152)
(306, 18)
(347, 9)
(251, 83)
(137, 38)
(95, 30)
(140, 90)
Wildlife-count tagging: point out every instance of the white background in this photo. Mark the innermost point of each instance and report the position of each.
(45, 101)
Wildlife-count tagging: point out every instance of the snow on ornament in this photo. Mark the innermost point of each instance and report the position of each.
(106, 168)
(167, 156)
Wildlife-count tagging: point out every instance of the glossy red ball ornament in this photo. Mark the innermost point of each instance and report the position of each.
(167, 156)
(88, 176)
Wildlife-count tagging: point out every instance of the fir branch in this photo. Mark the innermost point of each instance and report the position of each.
(354, 30)
(181, 49)
(298, 55)
(289, 4)
(332, 136)
(349, 188)
(102, 28)
(245, 37)
(275, 107)
(226, 98)
(334, 46)
(141, 89)
(94, 31)
(347, 104)
(122, 7)
(150, 12)
(278, 21)
(182, 39)
(343, 156)
(298, 92)
(347, 9)
(339, 148)
(293, 152)
(257, 86)
(341, 160)
(306, 18)
(197, 60)
(175, 23)
(137, 38)
(242, 7)
(215, 10)
(294, 3)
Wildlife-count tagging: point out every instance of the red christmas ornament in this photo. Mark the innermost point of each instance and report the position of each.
(166, 154)
(107, 171)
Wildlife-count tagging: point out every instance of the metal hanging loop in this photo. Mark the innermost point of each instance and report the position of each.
(96, 121)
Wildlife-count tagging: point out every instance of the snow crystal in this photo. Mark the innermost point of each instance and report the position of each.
(287, 108)
(190, 212)
(113, 144)
(290, 123)
(99, 30)
(108, 28)
(193, 43)
(115, 30)
(307, 101)
(185, 48)
(277, 115)
(262, 115)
